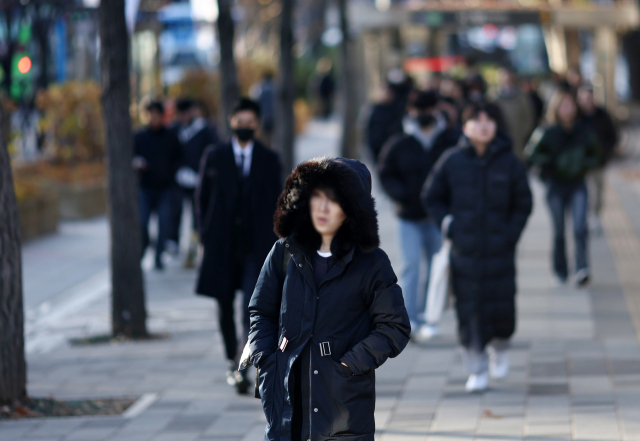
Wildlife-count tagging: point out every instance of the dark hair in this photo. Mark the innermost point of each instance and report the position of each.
(476, 81)
(473, 111)
(156, 106)
(560, 94)
(247, 104)
(184, 104)
(424, 100)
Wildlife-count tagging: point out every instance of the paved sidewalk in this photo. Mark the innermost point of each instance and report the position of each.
(575, 358)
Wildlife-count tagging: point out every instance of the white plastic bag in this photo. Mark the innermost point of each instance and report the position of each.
(439, 283)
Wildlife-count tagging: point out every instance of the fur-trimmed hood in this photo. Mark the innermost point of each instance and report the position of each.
(351, 182)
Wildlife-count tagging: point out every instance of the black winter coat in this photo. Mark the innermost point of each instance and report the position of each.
(356, 315)
(490, 200)
(404, 167)
(197, 143)
(563, 156)
(605, 130)
(385, 121)
(164, 155)
(217, 202)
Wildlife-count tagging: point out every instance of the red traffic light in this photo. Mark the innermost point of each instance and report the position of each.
(24, 65)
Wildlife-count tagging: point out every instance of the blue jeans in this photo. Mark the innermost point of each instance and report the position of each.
(560, 198)
(417, 239)
(161, 202)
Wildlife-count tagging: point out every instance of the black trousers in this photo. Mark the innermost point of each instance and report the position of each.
(245, 275)
(177, 210)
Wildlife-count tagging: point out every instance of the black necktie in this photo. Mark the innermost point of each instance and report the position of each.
(241, 166)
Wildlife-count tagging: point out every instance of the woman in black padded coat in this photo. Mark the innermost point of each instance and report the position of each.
(322, 325)
(479, 194)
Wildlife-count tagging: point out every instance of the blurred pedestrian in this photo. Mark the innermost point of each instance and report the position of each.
(195, 134)
(452, 91)
(384, 122)
(516, 109)
(530, 88)
(405, 163)
(240, 181)
(435, 81)
(475, 88)
(599, 120)
(326, 87)
(449, 108)
(327, 311)
(158, 156)
(574, 79)
(480, 196)
(564, 153)
(266, 97)
(183, 119)
(451, 88)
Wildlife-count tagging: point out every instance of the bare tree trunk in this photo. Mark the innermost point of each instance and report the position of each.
(230, 90)
(127, 298)
(13, 367)
(349, 146)
(10, 50)
(285, 118)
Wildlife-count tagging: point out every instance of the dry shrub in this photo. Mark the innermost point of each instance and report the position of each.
(204, 85)
(72, 122)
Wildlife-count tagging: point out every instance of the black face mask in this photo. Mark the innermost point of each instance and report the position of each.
(424, 120)
(244, 134)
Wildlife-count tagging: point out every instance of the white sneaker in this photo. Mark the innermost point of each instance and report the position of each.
(426, 333)
(498, 364)
(582, 277)
(477, 382)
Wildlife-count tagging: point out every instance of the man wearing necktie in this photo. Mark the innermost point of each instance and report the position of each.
(240, 181)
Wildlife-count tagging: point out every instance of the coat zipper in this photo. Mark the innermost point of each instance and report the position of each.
(310, 400)
(310, 373)
(484, 208)
(305, 258)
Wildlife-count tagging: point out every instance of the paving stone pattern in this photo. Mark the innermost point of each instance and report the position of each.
(575, 360)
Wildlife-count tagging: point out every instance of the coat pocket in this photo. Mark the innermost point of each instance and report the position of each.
(353, 402)
(267, 372)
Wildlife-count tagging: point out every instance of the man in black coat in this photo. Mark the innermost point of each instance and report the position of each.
(158, 155)
(405, 163)
(240, 181)
(480, 195)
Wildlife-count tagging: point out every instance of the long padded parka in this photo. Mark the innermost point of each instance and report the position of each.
(356, 315)
(490, 201)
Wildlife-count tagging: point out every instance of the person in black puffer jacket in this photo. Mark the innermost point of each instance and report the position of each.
(480, 194)
(564, 153)
(404, 165)
(323, 324)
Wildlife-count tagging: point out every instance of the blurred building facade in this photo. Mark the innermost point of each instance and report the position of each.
(532, 36)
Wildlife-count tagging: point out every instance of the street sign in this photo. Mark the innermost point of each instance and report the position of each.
(475, 18)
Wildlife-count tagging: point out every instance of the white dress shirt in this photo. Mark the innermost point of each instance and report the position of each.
(238, 151)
